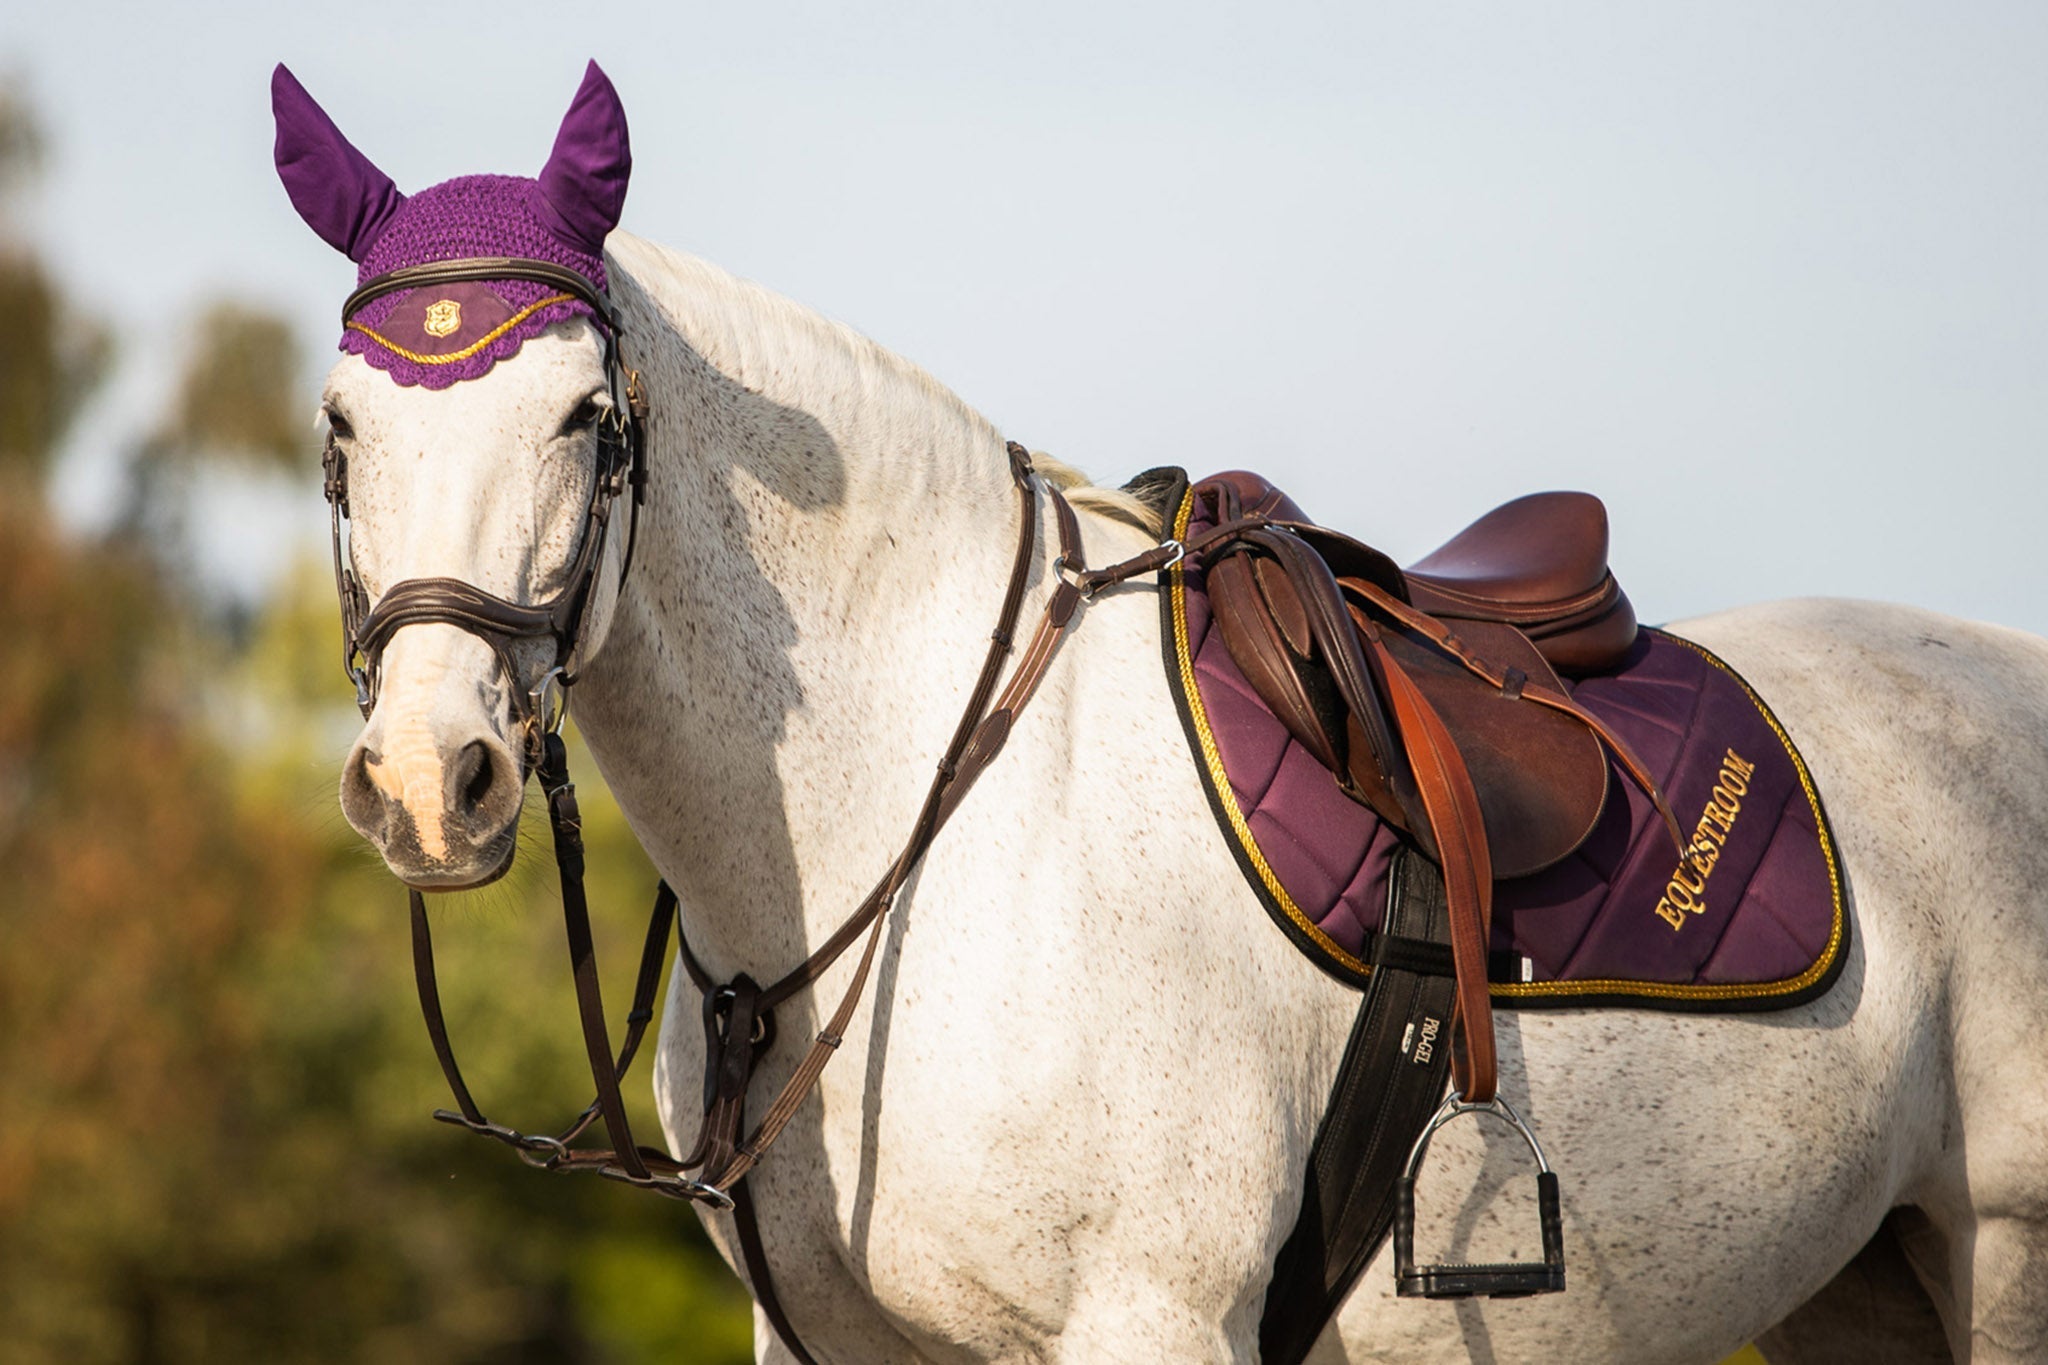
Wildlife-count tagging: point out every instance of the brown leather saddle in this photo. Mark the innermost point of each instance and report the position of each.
(1433, 694)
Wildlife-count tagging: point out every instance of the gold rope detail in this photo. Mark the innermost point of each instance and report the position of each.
(467, 351)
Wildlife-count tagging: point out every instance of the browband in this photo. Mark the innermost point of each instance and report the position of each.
(482, 268)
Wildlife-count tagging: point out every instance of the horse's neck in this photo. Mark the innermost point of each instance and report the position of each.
(822, 556)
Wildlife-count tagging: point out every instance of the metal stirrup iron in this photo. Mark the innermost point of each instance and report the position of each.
(1506, 1280)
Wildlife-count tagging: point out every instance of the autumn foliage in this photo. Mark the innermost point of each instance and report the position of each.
(214, 1086)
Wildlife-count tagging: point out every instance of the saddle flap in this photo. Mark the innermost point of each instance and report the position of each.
(1266, 631)
(1541, 776)
(1293, 604)
(1283, 621)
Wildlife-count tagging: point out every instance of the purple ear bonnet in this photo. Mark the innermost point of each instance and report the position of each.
(441, 334)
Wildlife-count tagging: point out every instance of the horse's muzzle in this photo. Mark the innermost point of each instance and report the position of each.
(445, 815)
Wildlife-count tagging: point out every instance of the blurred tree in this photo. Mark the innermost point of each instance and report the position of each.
(50, 359)
(237, 396)
(21, 139)
(214, 1144)
(233, 410)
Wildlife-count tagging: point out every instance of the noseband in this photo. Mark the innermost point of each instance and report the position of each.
(621, 465)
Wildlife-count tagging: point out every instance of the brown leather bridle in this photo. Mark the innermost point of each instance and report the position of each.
(739, 1015)
(620, 466)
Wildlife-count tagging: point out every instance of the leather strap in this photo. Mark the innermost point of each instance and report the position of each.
(624, 1159)
(984, 729)
(484, 268)
(748, 1224)
(1452, 807)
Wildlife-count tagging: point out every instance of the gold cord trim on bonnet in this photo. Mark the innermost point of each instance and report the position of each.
(467, 351)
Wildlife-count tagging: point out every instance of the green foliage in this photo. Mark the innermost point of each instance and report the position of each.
(236, 398)
(217, 1145)
(49, 362)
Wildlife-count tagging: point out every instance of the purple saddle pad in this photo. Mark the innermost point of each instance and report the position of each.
(1752, 917)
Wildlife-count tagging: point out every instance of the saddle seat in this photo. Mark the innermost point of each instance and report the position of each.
(1538, 563)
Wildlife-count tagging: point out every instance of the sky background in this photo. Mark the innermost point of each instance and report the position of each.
(1768, 278)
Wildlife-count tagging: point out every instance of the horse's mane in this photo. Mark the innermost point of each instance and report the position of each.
(1124, 504)
(742, 312)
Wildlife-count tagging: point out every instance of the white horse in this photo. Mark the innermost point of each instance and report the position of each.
(1069, 1120)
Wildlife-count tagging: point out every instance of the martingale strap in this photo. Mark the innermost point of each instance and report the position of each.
(977, 739)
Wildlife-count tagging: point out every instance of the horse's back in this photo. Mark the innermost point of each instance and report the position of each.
(1928, 737)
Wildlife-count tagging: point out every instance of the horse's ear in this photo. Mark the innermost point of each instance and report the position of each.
(344, 198)
(583, 186)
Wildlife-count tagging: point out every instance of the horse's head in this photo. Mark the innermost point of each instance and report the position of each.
(478, 441)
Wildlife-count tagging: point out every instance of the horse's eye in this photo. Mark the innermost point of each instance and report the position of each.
(338, 424)
(585, 418)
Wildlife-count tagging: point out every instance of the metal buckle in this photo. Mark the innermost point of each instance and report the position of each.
(674, 1186)
(552, 687)
(529, 1145)
(366, 693)
(721, 1009)
(1498, 1281)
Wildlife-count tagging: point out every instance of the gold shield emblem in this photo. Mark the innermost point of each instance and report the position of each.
(443, 317)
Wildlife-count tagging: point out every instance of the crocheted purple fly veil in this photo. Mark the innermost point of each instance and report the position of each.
(441, 334)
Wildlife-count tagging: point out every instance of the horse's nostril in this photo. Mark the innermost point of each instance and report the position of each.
(361, 801)
(476, 758)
